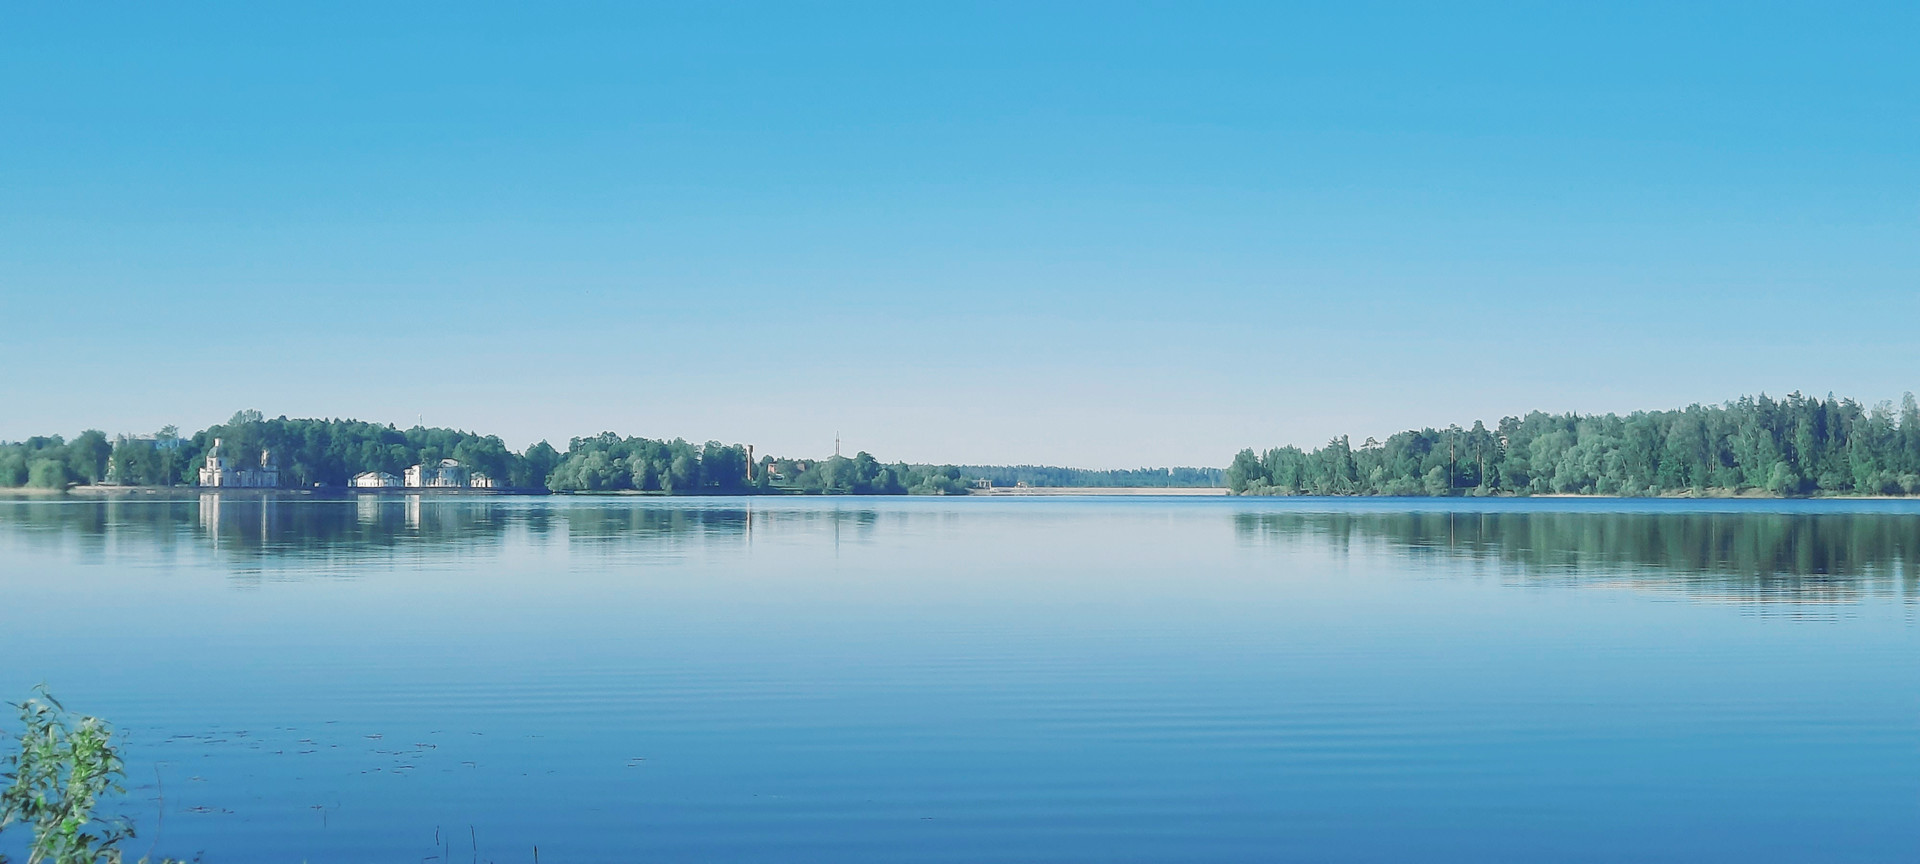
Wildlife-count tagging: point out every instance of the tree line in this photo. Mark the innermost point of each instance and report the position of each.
(1796, 446)
(308, 453)
(329, 453)
(608, 462)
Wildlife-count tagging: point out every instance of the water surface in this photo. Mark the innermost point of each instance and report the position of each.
(986, 680)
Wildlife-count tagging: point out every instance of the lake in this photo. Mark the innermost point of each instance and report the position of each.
(1093, 679)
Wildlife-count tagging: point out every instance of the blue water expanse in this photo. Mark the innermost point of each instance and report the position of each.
(1062, 680)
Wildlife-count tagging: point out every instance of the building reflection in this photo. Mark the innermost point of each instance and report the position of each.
(239, 520)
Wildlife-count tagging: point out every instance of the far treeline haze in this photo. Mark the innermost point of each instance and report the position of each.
(330, 453)
(1796, 446)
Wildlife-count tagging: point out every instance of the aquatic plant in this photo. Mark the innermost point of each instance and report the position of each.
(65, 767)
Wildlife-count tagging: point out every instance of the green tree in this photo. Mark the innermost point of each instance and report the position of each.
(1246, 472)
(47, 473)
(87, 456)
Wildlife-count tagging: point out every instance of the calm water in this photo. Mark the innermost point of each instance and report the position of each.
(900, 680)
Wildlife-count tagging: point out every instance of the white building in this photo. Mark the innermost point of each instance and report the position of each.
(375, 480)
(218, 472)
(479, 481)
(447, 475)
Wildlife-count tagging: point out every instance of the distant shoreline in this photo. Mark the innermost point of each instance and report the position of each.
(1042, 491)
(1681, 495)
(102, 490)
(338, 494)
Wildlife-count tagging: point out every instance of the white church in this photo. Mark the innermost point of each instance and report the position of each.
(218, 472)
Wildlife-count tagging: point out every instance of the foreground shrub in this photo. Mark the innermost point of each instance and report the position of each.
(65, 767)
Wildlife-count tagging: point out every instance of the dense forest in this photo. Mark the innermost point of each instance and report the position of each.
(52, 462)
(309, 453)
(329, 453)
(1794, 446)
(608, 462)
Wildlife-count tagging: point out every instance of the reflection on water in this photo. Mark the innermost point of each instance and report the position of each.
(1741, 556)
(1753, 554)
(258, 530)
(883, 680)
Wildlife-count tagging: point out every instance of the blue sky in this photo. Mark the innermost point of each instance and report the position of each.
(1089, 234)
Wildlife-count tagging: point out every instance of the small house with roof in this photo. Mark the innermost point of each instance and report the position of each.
(449, 474)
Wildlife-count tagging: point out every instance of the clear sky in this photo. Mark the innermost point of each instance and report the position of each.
(1100, 234)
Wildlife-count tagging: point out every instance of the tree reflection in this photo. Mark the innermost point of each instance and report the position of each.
(1737, 556)
(296, 528)
(1768, 556)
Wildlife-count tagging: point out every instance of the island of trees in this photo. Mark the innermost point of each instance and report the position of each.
(1796, 446)
(329, 453)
